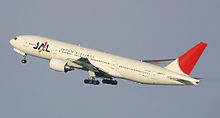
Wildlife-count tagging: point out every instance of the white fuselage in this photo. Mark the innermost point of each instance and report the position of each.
(116, 66)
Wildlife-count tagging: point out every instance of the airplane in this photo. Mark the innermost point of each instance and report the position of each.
(65, 57)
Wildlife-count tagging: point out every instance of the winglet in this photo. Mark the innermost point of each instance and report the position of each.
(185, 63)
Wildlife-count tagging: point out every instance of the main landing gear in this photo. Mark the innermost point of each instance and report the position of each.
(112, 82)
(24, 60)
(96, 82)
(92, 80)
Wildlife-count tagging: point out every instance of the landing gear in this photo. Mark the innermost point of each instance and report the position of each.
(112, 82)
(24, 60)
(91, 81)
(96, 82)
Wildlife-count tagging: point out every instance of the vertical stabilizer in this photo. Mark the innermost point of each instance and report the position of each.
(185, 63)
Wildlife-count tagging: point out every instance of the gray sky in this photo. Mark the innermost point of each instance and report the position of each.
(138, 29)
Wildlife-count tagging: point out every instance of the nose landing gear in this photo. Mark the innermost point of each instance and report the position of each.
(24, 60)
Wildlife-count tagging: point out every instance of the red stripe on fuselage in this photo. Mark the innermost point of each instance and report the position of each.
(43, 47)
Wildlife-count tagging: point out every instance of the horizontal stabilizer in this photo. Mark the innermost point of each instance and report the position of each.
(161, 61)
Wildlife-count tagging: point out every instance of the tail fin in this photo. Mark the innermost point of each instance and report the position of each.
(185, 63)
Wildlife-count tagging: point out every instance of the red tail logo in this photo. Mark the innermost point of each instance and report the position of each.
(188, 60)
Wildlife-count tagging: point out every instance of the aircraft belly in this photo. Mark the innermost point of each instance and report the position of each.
(136, 77)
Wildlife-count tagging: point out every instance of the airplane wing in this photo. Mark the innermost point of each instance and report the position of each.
(84, 62)
(86, 65)
(156, 62)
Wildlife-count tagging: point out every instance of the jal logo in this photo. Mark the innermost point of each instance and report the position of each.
(42, 47)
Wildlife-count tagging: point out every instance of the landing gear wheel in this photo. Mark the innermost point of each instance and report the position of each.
(112, 82)
(96, 82)
(104, 81)
(86, 81)
(23, 61)
(89, 81)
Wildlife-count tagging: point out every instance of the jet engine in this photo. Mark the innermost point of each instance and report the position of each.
(59, 65)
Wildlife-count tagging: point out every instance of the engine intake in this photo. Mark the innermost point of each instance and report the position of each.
(59, 65)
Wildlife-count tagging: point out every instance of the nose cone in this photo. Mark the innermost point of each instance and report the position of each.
(12, 42)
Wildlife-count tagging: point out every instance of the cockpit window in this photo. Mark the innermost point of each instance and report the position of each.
(15, 38)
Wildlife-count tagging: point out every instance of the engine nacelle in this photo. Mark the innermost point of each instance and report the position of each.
(59, 65)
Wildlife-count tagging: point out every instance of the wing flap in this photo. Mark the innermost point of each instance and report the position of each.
(86, 65)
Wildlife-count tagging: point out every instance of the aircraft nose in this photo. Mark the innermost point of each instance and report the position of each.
(11, 42)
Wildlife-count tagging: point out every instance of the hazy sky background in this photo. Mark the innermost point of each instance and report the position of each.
(138, 29)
